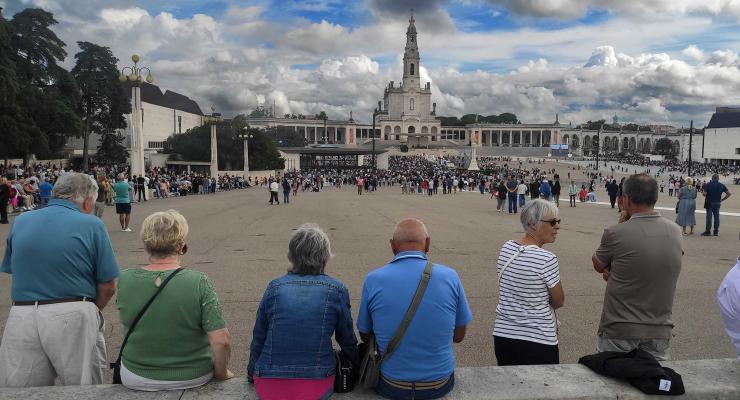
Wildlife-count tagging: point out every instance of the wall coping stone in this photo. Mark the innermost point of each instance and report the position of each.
(703, 379)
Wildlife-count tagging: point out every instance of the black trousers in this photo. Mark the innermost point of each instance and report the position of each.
(3, 210)
(523, 352)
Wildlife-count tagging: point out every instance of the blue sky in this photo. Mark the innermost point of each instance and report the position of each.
(649, 61)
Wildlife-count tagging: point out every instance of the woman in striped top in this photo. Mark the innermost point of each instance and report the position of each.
(525, 331)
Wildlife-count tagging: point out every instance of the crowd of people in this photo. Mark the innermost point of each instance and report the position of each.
(291, 354)
(54, 331)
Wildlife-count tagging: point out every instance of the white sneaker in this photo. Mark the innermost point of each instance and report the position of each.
(127, 230)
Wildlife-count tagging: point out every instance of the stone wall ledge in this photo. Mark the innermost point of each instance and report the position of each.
(703, 379)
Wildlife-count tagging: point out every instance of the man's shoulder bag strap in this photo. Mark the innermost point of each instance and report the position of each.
(420, 289)
(143, 310)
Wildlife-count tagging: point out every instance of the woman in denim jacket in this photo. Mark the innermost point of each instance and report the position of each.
(291, 355)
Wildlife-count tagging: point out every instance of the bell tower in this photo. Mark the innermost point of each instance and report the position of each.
(411, 57)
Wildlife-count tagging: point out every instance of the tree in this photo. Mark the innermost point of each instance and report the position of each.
(37, 111)
(449, 121)
(103, 101)
(664, 146)
(111, 149)
(194, 145)
(286, 136)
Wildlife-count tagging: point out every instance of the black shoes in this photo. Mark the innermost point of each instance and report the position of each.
(710, 234)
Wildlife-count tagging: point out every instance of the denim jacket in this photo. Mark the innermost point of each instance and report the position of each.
(295, 322)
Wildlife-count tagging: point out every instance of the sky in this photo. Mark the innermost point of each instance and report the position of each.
(646, 61)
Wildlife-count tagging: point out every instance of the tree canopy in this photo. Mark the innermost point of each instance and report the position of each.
(103, 101)
(38, 96)
(505, 118)
(194, 145)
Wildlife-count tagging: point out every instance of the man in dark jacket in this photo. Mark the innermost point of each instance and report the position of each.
(612, 189)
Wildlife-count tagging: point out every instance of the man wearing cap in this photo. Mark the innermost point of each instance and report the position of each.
(54, 331)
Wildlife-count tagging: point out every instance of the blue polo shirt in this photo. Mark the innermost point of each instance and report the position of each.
(45, 190)
(714, 190)
(425, 353)
(58, 252)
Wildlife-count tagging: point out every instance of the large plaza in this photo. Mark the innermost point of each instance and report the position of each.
(240, 241)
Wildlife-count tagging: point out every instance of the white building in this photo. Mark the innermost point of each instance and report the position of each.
(162, 115)
(722, 137)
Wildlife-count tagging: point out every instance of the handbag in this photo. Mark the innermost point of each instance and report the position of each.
(369, 374)
(116, 366)
(345, 378)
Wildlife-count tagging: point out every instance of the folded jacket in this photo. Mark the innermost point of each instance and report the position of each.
(639, 368)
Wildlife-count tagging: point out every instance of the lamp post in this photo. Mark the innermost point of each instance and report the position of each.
(375, 114)
(246, 135)
(691, 136)
(598, 144)
(136, 77)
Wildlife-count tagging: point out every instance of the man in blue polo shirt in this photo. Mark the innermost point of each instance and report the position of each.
(54, 330)
(713, 191)
(45, 189)
(423, 364)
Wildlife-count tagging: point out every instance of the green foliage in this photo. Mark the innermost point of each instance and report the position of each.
(111, 149)
(103, 101)
(286, 136)
(194, 145)
(505, 118)
(322, 116)
(664, 146)
(37, 97)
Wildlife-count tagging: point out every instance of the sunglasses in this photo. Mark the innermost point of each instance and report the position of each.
(552, 222)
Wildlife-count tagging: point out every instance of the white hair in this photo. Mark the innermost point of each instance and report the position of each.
(309, 250)
(535, 210)
(75, 187)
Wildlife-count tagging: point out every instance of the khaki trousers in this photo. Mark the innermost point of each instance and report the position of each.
(658, 348)
(99, 208)
(52, 344)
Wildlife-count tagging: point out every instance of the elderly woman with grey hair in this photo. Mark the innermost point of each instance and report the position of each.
(291, 355)
(525, 331)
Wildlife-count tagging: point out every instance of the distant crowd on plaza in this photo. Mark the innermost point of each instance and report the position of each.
(412, 310)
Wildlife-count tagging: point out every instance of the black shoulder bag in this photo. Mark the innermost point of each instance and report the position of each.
(369, 374)
(116, 366)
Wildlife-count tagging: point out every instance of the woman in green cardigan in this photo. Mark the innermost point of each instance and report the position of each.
(181, 340)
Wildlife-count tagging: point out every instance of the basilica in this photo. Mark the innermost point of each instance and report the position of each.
(408, 114)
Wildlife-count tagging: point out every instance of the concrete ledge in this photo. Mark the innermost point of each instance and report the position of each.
(703, 379)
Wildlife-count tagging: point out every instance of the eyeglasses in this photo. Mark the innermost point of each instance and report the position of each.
(552, 222)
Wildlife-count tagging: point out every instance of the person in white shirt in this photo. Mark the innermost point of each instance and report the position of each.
(521, 192)
(728, 298)
(274, 192)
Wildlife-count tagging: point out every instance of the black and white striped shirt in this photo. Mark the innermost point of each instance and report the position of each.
(523, 311)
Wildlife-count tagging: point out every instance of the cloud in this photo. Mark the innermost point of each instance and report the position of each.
(243, 58)
(642, 9)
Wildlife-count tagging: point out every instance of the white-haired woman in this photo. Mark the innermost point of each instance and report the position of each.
(181, 341)
(291, 355)
(525, 331)
(686, 211)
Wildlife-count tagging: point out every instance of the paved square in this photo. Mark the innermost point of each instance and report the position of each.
(241, 243)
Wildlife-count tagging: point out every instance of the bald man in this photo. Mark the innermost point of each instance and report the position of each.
(423, 364)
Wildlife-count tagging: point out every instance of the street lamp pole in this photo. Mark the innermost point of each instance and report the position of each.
(691, 136)
(598, 145)
(136, 77)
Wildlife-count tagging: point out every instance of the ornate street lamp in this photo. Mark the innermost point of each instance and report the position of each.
(245, 135)
(134, 74)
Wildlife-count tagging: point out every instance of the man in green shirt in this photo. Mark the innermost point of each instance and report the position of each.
(123, 202)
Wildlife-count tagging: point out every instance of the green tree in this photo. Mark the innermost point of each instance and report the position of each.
(111, 149)
(664, 146)
(37, 111)
(286, 136)
(449, 121)
(194, 145)
(103, 101)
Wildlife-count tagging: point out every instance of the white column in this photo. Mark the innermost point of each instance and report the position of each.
(214, 152)
(137, 134)
(246, 159)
